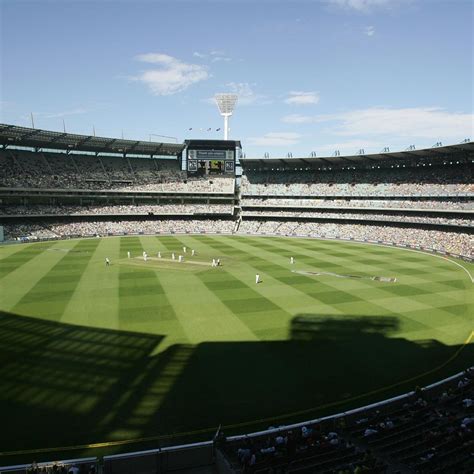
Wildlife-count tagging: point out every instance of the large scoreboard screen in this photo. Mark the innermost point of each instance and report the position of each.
(211, 157)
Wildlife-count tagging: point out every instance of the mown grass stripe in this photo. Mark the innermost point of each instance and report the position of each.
(143, 303)
(17, 283)
(23, 255)
(95, 302)
(51, 294)
(321, 292)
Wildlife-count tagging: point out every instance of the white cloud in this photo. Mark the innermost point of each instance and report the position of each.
(216, 59)
(219, 56)
(416, 122)
(363, 6)
(422, 122)
(369, 30)
(275, 139)
(214, 56)
(302, 98)
(171, 76)
(246, 94)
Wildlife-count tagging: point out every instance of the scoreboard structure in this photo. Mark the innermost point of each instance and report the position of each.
(211, 157)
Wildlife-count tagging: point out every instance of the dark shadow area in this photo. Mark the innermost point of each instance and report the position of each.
(64, 385)
(330, 363)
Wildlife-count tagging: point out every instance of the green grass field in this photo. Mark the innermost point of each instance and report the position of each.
(91, 353)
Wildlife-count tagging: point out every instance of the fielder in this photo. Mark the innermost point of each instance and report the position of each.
(173, 256)
(180, 259)
(159, 254)
(128, 254)
(184, 249)
(257, 278)
(292, 260)
(193, 253)
(107, 262)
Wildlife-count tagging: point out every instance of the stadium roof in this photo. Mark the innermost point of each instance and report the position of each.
(465, 149)
(36, 138)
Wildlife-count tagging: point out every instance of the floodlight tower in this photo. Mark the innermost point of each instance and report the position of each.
(226, 104)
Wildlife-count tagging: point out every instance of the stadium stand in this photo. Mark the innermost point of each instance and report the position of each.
(61, 171)
(56, 185)
(444, 180)
(138, 209)
(378, 204)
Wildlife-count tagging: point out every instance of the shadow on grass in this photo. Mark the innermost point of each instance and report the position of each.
(64, 385)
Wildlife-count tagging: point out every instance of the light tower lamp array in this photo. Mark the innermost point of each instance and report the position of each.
(226, 104)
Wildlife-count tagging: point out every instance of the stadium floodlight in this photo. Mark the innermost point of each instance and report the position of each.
(226, 104)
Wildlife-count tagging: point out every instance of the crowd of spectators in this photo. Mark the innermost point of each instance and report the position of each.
(466, 205)
(360, 216)
(60, 229)
(41, 209)
(294, 449)
(453, 242)
(412, 181)
(23, 169)
(426, 432)
(61, 468)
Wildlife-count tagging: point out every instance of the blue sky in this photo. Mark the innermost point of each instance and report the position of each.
(310, 75)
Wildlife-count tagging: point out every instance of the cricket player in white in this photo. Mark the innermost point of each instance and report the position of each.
(145, 256)
(107, 261)
(257, 278)
(292, 260)
(213, 262)
(192, 253)
(128, 254)
(180, 259)
(159, 254)
(184, 249)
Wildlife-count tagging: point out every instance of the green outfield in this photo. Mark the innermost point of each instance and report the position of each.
(91, 353)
